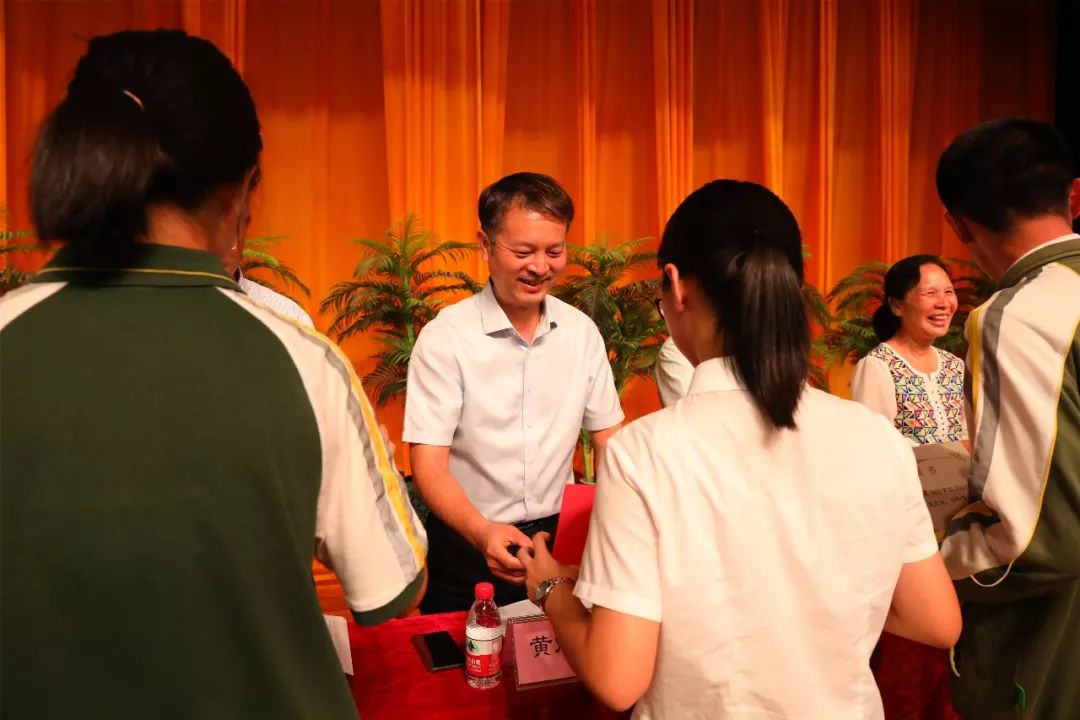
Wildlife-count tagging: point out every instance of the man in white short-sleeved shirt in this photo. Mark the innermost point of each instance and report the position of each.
(500, 385)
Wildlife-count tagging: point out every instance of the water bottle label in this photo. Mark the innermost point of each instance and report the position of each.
(483, 658)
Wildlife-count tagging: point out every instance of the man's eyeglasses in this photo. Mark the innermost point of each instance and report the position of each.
(659, 307)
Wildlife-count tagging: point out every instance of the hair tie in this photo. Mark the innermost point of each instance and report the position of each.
(135, 99)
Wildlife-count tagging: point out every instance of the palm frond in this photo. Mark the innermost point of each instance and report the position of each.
(12, 277)
(599, 284)
(387, 381)
(428, 293)
(257, 257)
(464, 280)
(449, 249)
(377, 247)
(399, 284)
(347, 325)
(849, 340)
(817, 307)
(862, 279)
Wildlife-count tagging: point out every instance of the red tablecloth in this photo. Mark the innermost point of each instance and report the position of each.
(913, 679)
(390, 681)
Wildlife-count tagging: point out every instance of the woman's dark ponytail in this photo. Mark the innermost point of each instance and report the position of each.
(150, 117)
(885, 322)
(94, 161)
(742, 245)
(766, 331)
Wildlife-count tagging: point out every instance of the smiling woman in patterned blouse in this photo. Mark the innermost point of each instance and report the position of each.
(916, 386)
(920, 389)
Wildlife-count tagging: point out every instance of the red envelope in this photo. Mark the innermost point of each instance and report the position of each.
(573, 528)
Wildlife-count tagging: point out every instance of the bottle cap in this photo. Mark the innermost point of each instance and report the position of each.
(484, 591)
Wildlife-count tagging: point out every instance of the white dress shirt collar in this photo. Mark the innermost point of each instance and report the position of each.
(716, 374)
(493, 318)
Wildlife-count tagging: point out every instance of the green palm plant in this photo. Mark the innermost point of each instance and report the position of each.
(854, 299)
(259, 263)
(817, 310)
(821, 318)
(12, 277)
(624, 310)
(397, 287)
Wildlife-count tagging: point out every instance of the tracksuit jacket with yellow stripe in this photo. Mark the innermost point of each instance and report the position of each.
(1014, 552)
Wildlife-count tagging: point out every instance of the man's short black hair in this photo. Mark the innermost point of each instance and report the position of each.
(531, 191)
(1004, 170)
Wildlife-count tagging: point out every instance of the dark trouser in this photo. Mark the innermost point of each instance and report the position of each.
(455, 566)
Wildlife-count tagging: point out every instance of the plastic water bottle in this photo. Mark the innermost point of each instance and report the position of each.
(483, 640)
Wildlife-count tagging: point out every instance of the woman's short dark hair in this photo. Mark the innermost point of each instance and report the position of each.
(743, 246)
(899, 280)
(149, 117)
(531, 191)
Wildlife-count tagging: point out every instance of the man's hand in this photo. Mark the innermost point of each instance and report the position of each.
(540, 565)
(492, 540)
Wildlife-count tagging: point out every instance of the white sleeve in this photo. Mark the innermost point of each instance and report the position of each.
(673, 373)
(435, 390)
(303, 317)
(872, 386)
(919, 539)
(602, 407)
(365, 529)
(620, 569)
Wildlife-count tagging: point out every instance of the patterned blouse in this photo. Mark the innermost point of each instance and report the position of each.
(925, 408)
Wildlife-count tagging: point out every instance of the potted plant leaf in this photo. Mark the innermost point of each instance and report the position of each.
(259, 263)
(821, 318)
(817, 310)
(399, 285)
(624, 310)
(12, 277)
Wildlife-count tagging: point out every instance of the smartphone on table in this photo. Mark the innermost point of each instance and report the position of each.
(439, 651)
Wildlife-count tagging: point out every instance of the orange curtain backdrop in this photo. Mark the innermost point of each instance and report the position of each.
(673, 83)
(444, 98)
(3, 115)
(896, 80)
(373, 108)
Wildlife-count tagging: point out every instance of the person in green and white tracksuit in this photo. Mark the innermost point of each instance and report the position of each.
(1011, 193)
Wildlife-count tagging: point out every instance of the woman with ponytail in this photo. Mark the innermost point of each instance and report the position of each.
(171, 451)
(918, 388)
(749, 542)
